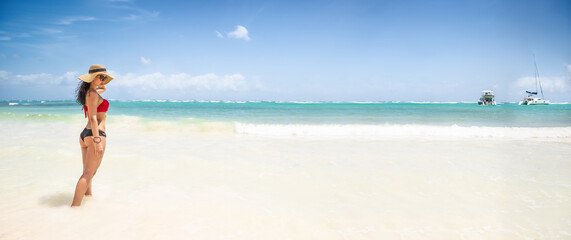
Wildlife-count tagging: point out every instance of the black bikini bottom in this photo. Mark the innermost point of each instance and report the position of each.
(87, 132)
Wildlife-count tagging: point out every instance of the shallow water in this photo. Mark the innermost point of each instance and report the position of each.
(317, 113)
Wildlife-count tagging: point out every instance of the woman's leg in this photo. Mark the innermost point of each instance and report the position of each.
(84, 160)
(91, 164)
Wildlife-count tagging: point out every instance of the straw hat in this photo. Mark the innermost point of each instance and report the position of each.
(94, 70)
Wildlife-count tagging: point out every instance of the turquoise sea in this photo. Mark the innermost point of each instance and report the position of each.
(309, 113)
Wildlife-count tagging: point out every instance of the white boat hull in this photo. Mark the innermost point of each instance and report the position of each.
(534, 101)
(539, 102)
(487, 103)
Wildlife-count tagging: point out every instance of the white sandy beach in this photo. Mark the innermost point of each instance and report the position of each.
(160, 183)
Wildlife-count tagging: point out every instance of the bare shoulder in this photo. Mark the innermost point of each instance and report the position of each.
(92, 95)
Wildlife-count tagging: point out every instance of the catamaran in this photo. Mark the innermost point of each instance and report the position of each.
(532, 98)
(487, 98)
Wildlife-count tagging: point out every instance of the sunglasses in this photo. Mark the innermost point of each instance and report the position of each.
(102, 77)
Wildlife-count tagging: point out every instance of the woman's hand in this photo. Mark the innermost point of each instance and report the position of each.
(98, 149)
(101, 89)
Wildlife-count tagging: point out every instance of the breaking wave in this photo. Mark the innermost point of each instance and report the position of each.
(402, 131)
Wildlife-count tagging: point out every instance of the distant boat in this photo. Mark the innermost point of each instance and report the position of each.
(487, 98)
(532, 98)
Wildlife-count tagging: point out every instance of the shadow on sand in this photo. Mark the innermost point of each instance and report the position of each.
(57, 200)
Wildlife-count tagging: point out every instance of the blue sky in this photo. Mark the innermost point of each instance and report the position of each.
(397, 50)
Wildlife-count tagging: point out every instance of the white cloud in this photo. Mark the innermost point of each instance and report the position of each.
(550, 84)
(145, 60)
(240, 33)
(5, 36)
(68, 78)
(142, 15)
(183, 81)
(70, 20)
(218, 34)
(154, 14)
(36, 78)
(4, 75)
(131, 17)
(154, 81)
(49, 31)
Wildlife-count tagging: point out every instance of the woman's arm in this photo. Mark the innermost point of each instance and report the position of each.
(91, 101)
(101, 89)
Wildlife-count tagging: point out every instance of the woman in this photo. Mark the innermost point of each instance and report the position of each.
(93, 138)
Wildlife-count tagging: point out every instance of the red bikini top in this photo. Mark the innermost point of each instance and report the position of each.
(103, 107)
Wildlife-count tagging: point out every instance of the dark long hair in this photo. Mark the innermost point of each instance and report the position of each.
(81, 91)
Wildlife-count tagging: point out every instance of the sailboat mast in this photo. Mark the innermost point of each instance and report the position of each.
(537, 79)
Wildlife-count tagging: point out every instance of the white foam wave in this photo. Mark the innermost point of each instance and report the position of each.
(365, 102)
(402, 131)
(429, 102)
